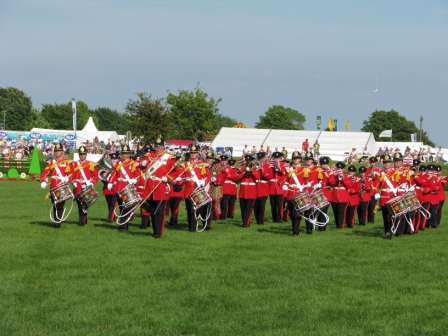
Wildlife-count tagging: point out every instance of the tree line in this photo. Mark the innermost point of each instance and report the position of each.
(186, 114)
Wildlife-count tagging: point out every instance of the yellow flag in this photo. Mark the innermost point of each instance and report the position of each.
(330, 125)
(347, 126)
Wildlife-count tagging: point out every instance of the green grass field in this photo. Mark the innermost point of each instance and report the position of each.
(94, 280)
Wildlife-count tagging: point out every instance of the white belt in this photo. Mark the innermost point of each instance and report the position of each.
(248, 183)
(387, 190)
(418, 187)
(230, 182)
(262, 181)
(57, 177)
(273, 180)
(339, 188)
(155, 178)
(294, 186)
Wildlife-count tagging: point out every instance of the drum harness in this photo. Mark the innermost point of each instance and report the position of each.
(57, 220)
(86, 181)
(312, 216)
(407, 217)
(131, 211)
(209, 206)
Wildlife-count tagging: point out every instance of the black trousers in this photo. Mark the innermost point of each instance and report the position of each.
(339, 210)
(246, 206)
(173, 205)
(58, 211)
(227, 206)
(82, 213)
(157, 211)
(260, 209)
(203, 212)
(276, 208)
(321, 218)
(111, 201)
(295, 218)
(371, 210)
(362, 212)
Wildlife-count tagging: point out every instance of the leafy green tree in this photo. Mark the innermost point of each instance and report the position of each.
(148, 117)
(193, 114)
(60, 116)
(38, 120)
(18, 109)
(401, 127)
(111, 120)
(223, 121)
(279, 117)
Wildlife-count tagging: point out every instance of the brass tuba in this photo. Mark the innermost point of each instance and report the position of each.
(106, 166)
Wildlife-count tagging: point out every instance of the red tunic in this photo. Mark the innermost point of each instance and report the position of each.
(248, 185)
(57, 170)
(83, 172)
(158, 166)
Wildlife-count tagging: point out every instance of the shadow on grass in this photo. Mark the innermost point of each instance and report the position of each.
(274, 230)
(376, 233)
(51, 224)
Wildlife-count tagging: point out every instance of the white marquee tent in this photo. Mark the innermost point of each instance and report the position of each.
(336, 145)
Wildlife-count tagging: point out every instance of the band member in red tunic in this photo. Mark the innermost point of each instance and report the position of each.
(84, 175)
(195, 177)
(59, 171)
(373, 173)
(419, 179)
(109, 190)
(266, 174)
(340, 183)
(275, 187)
(247, 177)
(364, 195)
(353, 193)
(159, 165)
(127, 174)
(441, 182)
(176, 197)
(388, 186)
(295, 184)
(324, 162)
(229, 190)
(430, 195)
(313, 183)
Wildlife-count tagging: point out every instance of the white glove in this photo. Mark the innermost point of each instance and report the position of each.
(201, 183)
(377, 196)
(284, 187)
(75, 184)
(308, 185)
(403, 186)
(213, 179)
(65, 179)
(110, 186)
(317, 186)
(411, 188)
(133, 181)
(43, 185)
(144, 163)
(89, 183)
(178, 179)
(164, 179)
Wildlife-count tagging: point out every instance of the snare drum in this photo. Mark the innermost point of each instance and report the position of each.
(129, 195)
(397, 206)
(199, 198)
(301, 202)
(88, 196)
(412, 200)
(318, 198)
(61, 193)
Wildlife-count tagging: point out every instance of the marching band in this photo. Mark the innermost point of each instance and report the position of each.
(410, 198)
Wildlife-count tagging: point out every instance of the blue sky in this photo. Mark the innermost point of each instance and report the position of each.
(319, 57)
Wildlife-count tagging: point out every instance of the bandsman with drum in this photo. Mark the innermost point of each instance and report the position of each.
(195, 177)
(324, 162)
(340, 183)
(109, 190)
(84, 178)
(126, 178)
(388, 186)
(58, 171)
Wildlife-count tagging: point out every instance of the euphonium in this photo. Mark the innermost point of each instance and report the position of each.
(107, 168)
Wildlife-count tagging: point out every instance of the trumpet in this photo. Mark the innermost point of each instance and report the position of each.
(250, 166)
